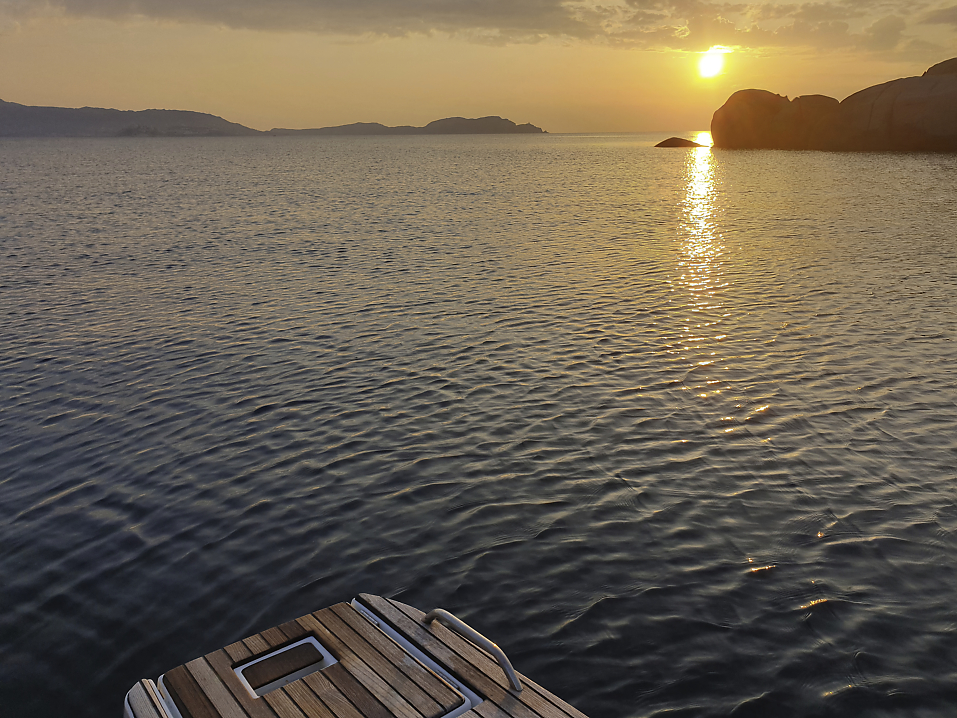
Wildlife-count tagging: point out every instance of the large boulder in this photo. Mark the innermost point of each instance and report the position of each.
(910, 114)
(758, 119)
(746, 120)
(807, 118)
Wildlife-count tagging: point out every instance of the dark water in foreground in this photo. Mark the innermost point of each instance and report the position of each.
(678, 429)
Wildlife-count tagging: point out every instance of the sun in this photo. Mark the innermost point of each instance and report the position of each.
(712, 62)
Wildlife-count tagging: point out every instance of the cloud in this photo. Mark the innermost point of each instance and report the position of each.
(870, 25)
(512, 18)
(885, 34)
(943, 16)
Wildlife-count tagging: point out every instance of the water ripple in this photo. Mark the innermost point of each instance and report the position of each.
(676, 429)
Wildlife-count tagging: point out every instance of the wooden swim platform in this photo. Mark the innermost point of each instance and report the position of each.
(373, 658)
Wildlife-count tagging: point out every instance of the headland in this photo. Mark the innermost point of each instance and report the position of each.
(904, 115)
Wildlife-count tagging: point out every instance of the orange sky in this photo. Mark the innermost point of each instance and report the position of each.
(582, 66)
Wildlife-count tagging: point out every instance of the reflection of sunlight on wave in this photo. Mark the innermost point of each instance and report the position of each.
(700, 275)
(701, 248)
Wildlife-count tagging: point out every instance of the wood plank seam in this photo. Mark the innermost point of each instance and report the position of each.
(326, 692)
(425, 642)
(532, 696)
(308, 702)
(188, 697)
(456, 654)
(338, 703)
(391, 700)
(373, 678)
(360, 696)
(223, 665)
(141, 702)
(388, 669)
(337, 674)
(215, 690)
(279, 700)
(420, 635)
(432, 684)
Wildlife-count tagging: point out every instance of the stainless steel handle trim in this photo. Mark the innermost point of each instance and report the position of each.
(461, 627)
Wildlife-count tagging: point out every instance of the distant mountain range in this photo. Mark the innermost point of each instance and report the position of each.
(28, 121)
(448, 126)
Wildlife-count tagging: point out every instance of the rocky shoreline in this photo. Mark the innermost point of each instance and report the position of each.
(905, 115)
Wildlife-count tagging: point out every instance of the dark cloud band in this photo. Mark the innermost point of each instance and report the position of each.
(943, 16)
(682, 24)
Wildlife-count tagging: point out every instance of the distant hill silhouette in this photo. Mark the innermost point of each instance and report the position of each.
(27, 121)
(492, 125)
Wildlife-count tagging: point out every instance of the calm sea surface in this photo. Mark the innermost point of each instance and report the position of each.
(677, 428)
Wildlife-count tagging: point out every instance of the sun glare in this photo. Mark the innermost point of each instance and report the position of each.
(712, 62)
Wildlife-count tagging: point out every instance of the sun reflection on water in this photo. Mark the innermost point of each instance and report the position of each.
(700, 272)
(701, 248)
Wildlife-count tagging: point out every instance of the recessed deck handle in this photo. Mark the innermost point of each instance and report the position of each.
(464, 629)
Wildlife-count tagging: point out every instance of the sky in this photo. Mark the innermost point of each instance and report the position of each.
(564, 65)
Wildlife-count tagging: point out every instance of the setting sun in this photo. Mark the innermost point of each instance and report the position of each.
(712, 62)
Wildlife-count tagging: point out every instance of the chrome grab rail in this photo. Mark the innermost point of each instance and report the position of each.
(461, 627)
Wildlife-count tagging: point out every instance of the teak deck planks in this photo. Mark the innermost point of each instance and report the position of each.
(462, 657)
(144, 701)
(374, 677)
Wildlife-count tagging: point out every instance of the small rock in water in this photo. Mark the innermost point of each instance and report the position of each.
(677, 142)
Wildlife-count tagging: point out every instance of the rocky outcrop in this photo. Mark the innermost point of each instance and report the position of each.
(678, 142)
(758, 119)
(909, 114)
(947, 67)
(747, 119)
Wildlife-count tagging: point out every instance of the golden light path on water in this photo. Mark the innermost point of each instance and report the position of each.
(699, 265)
(701, 247)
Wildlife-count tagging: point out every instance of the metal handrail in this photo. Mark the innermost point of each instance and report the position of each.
(461, 627)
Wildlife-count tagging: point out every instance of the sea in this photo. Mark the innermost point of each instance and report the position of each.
(676, 428)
